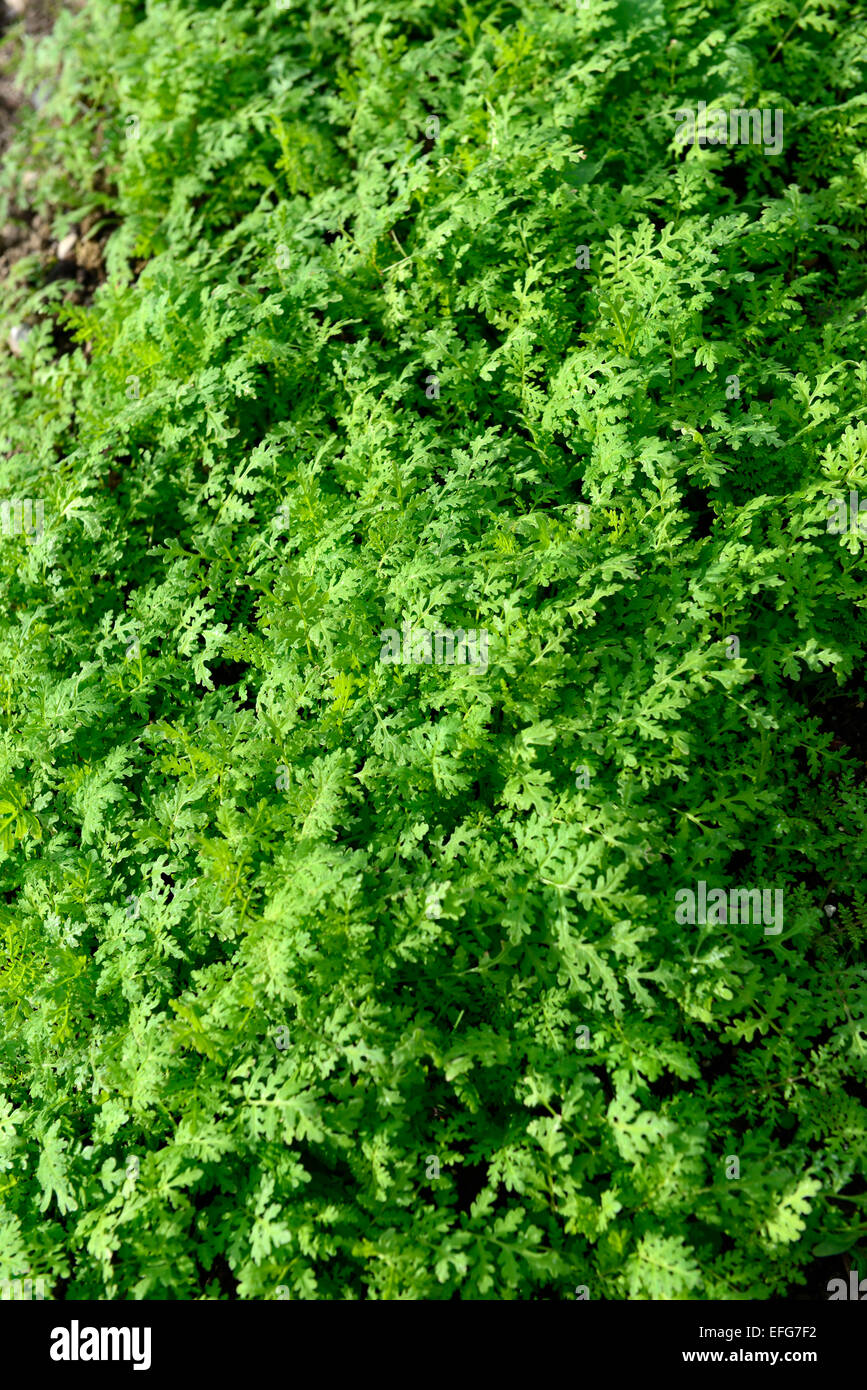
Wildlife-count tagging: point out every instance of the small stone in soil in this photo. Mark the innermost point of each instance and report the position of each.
(18, 334)
(66, 247)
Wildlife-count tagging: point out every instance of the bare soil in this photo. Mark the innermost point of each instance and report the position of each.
(25, 233)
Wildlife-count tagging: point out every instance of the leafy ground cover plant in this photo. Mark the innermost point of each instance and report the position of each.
(331, 976)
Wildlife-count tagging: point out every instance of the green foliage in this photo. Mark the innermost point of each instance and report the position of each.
(284, 923)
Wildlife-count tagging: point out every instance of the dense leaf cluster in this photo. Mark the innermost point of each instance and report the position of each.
(332, 978)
